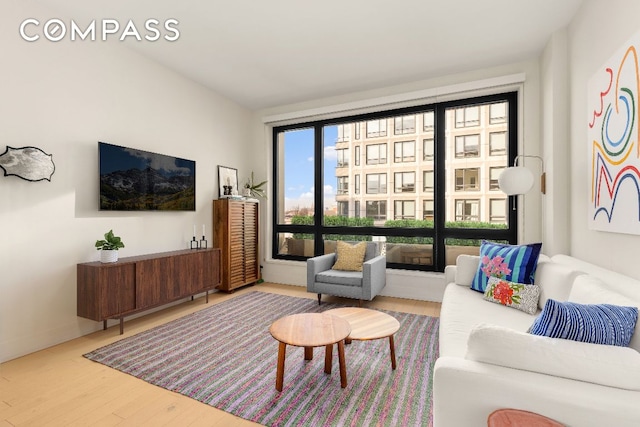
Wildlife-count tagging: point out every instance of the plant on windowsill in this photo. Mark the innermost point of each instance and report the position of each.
(109, 247)
(253, 189)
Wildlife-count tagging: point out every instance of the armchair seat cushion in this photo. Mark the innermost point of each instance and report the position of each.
(340, 277)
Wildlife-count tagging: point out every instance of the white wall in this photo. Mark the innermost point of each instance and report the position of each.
(404, 283)
(597, 31)
(63, 98)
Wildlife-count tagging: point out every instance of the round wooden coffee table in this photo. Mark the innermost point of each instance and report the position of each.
(310, 330)
(367, 324)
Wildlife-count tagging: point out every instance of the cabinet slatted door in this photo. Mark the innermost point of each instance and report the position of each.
(235, 232)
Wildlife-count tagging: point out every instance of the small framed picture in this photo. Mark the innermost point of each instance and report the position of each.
(227, 182)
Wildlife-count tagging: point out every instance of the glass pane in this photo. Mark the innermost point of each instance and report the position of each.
(295, 244)
(409, 250)
(295, 176)
(472, 167)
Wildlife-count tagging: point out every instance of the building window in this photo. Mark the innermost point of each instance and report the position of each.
(468, 210)
(497, 143)
(405, 124)
(356, 208)
(343, 157)
(498, 113)
(356, 184)
(494, 174)
(427, 181)
(344, 133)
(357, 130)
(405, 182)
(376, 128)
(404, 209)
(376, 154)
(467, 116)
(427, 210)
(467, 179)
(343, 208)
(498, 211)
(427, 149)
(404, 151)
(356, 155)
(343, 185)
(377, 209)
(468, 146)
(376, 183)
(427, 121)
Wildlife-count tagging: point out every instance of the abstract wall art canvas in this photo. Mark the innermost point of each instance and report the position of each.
(613, 142)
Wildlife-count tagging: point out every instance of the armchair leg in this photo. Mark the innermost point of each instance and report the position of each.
(360, 303)
(319, 298)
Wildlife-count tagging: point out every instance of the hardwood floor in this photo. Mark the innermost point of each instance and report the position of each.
(59, 387)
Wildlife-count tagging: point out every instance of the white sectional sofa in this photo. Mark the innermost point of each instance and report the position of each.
(488, 361)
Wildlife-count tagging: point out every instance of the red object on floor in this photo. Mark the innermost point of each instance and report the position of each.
(518, 418)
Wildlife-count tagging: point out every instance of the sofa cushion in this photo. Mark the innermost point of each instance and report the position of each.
(515, 263)
(339, 277)
(555, 281)
(462, 309)
(593, 323)
(588, 289)
(600, 364)
(466, 268)
(515, 295)
(349, 257)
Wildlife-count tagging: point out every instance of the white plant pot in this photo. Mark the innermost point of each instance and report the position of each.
(107, 256)
(247, 192)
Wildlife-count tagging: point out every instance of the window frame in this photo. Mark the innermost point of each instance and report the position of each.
(440, 233)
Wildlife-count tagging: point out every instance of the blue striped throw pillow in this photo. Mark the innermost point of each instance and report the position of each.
(593, 323)
(513, 263)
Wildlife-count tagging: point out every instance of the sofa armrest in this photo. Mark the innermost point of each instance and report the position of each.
(466, 391)
(317, 264)
(374, 276)
(450, 274)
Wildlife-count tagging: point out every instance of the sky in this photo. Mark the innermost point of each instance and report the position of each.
(298, 168)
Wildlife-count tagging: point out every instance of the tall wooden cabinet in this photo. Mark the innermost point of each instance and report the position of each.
(235, 232)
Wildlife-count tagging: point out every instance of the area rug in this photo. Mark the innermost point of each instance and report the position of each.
(225, 357)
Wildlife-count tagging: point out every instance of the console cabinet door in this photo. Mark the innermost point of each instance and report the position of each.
(154, 281)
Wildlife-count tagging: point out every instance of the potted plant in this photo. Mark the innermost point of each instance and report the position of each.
(253, 189)
(109, 247)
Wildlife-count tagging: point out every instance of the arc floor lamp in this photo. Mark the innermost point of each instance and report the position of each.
(518, 179)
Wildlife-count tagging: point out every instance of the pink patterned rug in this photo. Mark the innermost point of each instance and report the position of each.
(224, 356)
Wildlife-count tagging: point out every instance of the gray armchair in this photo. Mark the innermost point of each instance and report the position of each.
(365, 284)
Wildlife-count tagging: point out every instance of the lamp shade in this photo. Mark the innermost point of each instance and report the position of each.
(515, 180)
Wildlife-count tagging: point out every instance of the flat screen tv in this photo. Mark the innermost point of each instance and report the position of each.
(137, 180)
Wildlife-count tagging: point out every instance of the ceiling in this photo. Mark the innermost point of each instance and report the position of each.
(266, 53)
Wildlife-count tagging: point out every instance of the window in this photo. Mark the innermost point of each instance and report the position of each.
(343, 157)
(343, 185)
(376, 154)
(427, 210)
(405, 124)
(468, 146)
(497, 143)
(427, 121)
(405, 182)
(404, 209)
(357, 130)
(498, 113)
(376, 183)
(467, 179)
(344, 133)
(343, 209)
(494, 174)
(443, 179)
(377, 209)
(467, 116)
(405, 151)
(498, 210)
(427, 181)
(427, 149)
(467, 210)
(376, 128)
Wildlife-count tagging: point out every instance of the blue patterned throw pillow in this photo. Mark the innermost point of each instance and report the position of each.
(514, 263)
(593, 323)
